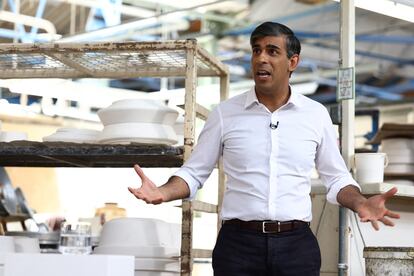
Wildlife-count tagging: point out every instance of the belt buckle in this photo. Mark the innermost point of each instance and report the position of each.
(267, 232)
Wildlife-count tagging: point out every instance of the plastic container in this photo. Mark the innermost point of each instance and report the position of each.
(75, 238)
(370, 167)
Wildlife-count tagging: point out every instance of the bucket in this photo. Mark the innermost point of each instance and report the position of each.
(369, 167)
(389, 261)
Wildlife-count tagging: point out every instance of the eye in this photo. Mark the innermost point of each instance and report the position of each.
(256, 51)
(272, 52)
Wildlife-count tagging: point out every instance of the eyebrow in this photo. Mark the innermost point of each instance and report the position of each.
(268, 46)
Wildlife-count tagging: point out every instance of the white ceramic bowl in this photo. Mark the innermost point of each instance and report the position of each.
(26, 244)
(144, 133)
(398, 168)
(406, 157)
(140, 232)
(397, 144)
(137, 111)
(73, 135)
(7, 244)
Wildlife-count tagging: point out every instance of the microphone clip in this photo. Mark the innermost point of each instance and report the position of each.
(274, 126)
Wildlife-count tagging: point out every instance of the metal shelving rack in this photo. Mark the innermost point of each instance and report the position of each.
(118, 60)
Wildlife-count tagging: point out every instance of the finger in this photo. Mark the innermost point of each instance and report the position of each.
(392, 215)
(135, 192)
(140, 172)
(131, 190)
(390, 193)
(387, 221)
(374, 224)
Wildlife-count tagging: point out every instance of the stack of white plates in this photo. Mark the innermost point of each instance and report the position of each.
(73, 135)
(139, 121)
(155, 244)
(400, 154)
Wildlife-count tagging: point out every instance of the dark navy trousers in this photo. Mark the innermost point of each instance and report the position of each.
(240, 252)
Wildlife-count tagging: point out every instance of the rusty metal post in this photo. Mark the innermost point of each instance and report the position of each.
(189, 135)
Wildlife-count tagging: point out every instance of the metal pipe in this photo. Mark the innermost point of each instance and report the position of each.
(29, 21)
(346, 60)
(310, 12)
(39, 13)
(14, 35)
(15, 8)
(124, 9)
(133, 25)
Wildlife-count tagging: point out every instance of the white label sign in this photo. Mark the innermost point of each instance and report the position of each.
(345, 84)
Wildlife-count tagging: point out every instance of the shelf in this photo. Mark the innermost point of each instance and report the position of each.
(380, 188)
(369, 189)
(105, 60)
(63, 154)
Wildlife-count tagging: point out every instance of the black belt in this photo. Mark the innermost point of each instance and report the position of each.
(267, 226)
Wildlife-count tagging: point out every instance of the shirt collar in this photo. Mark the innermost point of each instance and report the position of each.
(252, 98)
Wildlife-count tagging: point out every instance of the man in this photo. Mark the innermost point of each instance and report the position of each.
(270, 139)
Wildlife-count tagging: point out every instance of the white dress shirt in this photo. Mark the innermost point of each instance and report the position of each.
(268, 170)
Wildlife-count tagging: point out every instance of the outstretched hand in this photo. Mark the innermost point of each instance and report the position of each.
(373, 209)
(148, 191)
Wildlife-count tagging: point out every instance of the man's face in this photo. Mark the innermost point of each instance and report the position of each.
(270, 65)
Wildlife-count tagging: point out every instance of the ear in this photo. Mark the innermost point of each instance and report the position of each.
(293, 62)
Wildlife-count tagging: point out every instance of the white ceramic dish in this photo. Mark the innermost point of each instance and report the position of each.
(137, 110)
(144, 133)
(397, 144)
(157, 264)
(7, 244)
(138, 251)
(406, 157)
(400, 168)
(9, 136)
(405, 182)
(73, 135)
(140, 232)
(26, 245)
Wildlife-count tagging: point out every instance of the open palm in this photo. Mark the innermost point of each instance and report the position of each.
(148, 191)
(374, 210)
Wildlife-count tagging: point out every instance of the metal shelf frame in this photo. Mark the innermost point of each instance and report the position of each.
(183, 58)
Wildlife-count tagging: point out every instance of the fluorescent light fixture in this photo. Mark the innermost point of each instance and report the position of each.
(390, 8)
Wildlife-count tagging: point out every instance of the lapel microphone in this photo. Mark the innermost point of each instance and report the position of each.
(274, 126)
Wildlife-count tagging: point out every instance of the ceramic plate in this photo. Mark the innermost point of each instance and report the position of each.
(144, 133)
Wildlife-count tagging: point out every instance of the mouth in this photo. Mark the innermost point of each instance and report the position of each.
(262, 74)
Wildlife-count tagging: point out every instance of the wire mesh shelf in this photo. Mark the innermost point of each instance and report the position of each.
(105, 60)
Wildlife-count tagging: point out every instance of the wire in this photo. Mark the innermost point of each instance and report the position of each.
(320, 218)
(359, 230)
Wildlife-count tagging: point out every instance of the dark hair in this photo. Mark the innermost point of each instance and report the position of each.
(277, 29)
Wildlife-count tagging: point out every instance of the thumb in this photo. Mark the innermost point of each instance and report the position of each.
(390, 193)
(140, 172)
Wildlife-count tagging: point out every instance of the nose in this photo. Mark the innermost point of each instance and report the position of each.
(262, 57)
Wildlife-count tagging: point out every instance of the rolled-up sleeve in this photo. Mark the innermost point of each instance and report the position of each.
(329, 162)
(205, 155)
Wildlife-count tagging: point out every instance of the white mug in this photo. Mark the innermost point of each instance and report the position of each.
(369, 167)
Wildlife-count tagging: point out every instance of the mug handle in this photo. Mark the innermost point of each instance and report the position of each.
(353, 165)
(385, 161)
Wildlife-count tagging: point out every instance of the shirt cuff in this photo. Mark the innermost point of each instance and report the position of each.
(332, 194)
(192, 183)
